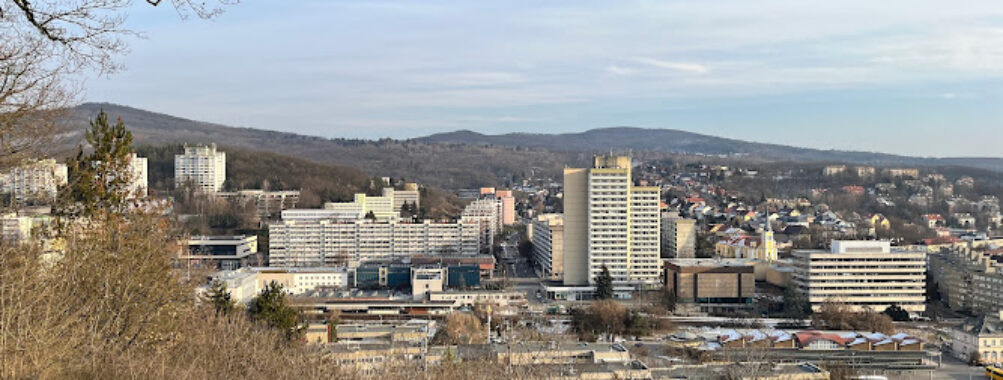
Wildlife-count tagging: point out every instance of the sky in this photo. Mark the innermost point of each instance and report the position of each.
(922, 78)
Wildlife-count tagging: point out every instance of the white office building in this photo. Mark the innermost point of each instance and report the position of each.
(609, 222)
(202, 166)
(246, 283)
(862, 275)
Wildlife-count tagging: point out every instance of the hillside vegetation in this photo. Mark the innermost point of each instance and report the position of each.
(468, 159)
(318, 183)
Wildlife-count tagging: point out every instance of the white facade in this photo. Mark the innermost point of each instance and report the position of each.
(37, 180)
(15, 229)
(318, 242)
(246, 283)
(609, 222)
(863, 274)
(202, 166)
(486, 213)
(983, 335)
(382, 208)
(225, 252)
(139, 178)
(410, 195)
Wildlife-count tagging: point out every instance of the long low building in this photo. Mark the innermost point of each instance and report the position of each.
(324, 242)
(220, 252)
(246, 283)
(863, 275)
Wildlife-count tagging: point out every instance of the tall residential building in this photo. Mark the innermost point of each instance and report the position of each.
(507, 206)
(139, 178)
(202, 166)
(679, 237)
(486, 213)
(35, 181)
(863, 274)
(320, 239)
(609, 222)
(548, 245)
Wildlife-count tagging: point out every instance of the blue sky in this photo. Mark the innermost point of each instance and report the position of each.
(909, 77)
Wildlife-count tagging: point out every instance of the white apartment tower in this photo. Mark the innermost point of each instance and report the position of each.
(862, 275)
(37, 180)
(486, 213)
(609, 222)
(139, 181)
(203, 166)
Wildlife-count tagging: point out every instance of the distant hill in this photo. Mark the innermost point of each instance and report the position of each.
(676, 141)
(448, 166)
(467, 159)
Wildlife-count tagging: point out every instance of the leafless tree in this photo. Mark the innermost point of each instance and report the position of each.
(44, 46)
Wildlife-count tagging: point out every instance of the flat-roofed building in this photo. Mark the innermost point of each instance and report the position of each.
(473, 297)
(267, 204)
(486, 213)
(320, 241)
(609, 222)
(139, 176)
(35, 181)
(711, 285)
(246, 283)
(548, 245)
(410, 195)
(863, 274)
(426, 280)
(203, 167)
(15, 229)
(367, 206)
(679, 237)
(221, 252)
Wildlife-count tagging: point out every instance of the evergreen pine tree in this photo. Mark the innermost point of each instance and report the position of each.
(100, 180)
(272, 308)
(219, 297)
(604, 284)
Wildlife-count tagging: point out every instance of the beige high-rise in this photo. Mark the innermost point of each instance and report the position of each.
(609, 222)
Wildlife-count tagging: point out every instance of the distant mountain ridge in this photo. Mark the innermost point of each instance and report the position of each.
(467, 159)
(677, 141)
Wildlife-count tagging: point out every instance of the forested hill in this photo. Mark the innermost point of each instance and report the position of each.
(469, 159)
(677, 141)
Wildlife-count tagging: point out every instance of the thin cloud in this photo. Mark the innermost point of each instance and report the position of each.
(674, 66)
(617, 70)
